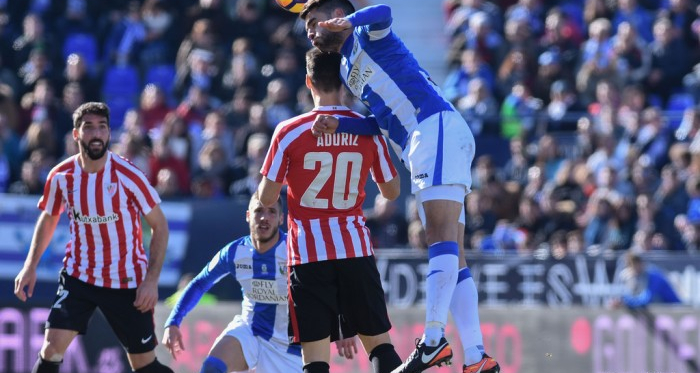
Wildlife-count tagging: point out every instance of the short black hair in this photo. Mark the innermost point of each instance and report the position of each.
(323, 68)
(97, 108)
(326, 5)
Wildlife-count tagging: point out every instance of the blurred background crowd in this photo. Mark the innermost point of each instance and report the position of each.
(585, 112)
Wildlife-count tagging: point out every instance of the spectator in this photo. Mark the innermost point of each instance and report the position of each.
(162, 158)
(30, 181)
(153, 106)
(644, 285)
(550, 69)
(480, 109)
(33, 38)
(470, 68)
(563, 109)
(199, 71)
(257, 123)
(517, 68)
(386, 223)
(243, 72)
(212, 176)
(10, 147)
(167, 184)
(237, 110)
(669, 60)
(630, 54)
(245, 187)
(519, 112)
(562, 36)
(637, 17)
(278, 102)
(205, 38)
(458, 21)
(595, 60)
(161, 35)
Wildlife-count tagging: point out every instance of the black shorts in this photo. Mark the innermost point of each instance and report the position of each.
(321, 291)
(76, 302)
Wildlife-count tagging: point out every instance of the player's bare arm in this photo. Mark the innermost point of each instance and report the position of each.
(324, 124)
(172, 339)
(336, 24)
(391, 189)
(45, 226)
(268, 191)
(147, 292)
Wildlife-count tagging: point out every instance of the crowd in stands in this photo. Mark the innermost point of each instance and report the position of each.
(585, 112)
(596, 103)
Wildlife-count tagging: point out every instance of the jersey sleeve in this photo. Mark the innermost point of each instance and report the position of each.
(51, 200)
(382, 169)
(359, 126)
(217, 269)
(276, 160)
(144, 195)
(376, 17)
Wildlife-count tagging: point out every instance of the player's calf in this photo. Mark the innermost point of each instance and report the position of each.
(384, 358)
(45, 366)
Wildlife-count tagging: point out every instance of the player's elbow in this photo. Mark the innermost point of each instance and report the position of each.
(391, 195)
(391, 190)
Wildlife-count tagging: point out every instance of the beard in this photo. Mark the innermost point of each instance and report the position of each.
(329, 42)
(94, 154)
(264, 237)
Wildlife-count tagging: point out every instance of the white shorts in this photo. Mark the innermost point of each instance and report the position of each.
(454, 192)
(440, 151)
(262, 355)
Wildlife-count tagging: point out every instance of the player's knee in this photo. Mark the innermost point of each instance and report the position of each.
(154, 367)
(213, 365)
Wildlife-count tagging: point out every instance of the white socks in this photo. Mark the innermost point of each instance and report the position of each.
(465, 313)
(440, 284)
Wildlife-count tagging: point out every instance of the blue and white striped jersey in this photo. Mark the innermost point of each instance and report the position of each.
(263, 278)
(379, 69)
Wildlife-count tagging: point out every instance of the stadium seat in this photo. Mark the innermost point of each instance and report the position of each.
(84, 45)
(121, 81)
(118, 106)
(163, 76)
(677, 104)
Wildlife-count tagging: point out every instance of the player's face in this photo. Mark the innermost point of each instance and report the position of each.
(322, 38)
(264, 222)
(93, 136)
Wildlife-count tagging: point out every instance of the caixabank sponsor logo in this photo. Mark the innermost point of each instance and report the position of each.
(95, 219)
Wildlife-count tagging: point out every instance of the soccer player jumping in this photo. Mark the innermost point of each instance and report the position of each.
(433, 141)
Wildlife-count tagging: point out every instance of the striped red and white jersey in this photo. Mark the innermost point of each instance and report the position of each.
(325, 180)
(104, 211)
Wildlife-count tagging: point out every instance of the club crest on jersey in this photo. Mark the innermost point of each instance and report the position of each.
(112, 189)
(282, 267)
(263, 268)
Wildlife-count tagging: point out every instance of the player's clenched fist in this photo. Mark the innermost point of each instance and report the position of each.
(324, 124)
